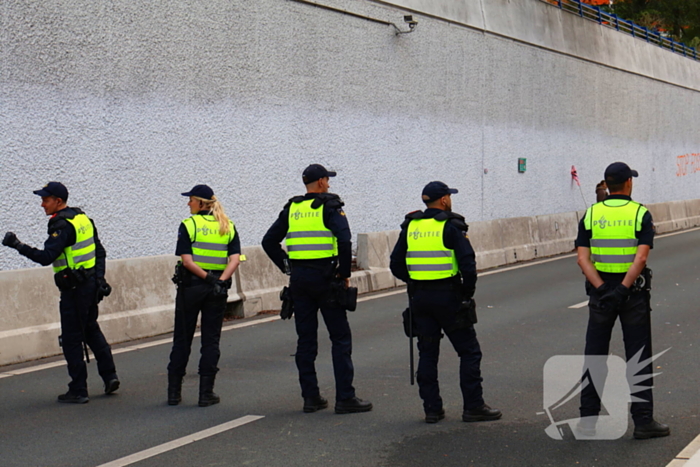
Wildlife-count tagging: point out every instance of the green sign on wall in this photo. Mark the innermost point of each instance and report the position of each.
(522, 164)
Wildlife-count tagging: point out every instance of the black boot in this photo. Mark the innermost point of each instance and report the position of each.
(174, 389)
(207, 396)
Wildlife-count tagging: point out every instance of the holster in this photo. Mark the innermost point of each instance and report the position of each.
(345, 298)
(409, 328)
(466, 315)
(68, 279)
(182, 276)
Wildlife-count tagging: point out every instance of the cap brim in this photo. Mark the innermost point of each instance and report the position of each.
(189, 193)
(42, 193)
(453, 191)
(331, 174)
(635, 173)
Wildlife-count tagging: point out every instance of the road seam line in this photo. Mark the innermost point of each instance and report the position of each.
(176, 443)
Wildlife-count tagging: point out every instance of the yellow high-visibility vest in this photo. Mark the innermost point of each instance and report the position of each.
(614, 224)
(82, 253)
(209, 247)
(426, 257)
(307, 236)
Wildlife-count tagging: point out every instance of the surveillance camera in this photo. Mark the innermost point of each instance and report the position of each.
(411, 22)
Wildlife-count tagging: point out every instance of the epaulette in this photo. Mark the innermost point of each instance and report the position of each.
(331, 200)
(60, 220)
(457, 220)
(410, 217)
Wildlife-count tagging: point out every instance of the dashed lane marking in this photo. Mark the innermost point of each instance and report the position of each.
(174, 444)
(579, 305)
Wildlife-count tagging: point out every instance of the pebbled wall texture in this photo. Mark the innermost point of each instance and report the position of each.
(130, 102)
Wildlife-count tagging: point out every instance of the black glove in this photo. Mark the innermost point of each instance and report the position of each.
(610, 299)
(12, 241)
(287, 310)
(103, 289)
(221, 288)
(211, 278)
(467, 293)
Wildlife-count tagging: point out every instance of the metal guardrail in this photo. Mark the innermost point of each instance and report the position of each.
(594, 13)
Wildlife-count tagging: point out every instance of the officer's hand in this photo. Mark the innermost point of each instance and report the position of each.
(622, 293)
(468, 293)
(211, 278)
(610, 299)
(12, 241)
(103, 289)
(344, 280)
(221, 288)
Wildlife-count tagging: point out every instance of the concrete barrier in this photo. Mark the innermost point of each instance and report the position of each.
(259, 282)
(693, 210)
(142, 301)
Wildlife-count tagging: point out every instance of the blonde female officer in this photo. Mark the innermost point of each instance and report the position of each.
(209, 248)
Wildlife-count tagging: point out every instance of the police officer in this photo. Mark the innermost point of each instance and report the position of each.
(209, 248)
(614, 239)
(434, 256)
(78, 259)
(319, 252)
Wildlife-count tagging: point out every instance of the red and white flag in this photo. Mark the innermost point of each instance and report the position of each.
(574, 175)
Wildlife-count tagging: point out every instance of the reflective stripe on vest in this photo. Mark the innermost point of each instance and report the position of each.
(426, 257)
(209, 247)
(614, 224)
(82, 252)
(307, 236)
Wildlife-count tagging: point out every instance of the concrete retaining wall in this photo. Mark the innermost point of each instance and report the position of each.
(131, 102)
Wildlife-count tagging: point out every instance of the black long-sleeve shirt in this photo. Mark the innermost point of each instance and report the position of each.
(453, 238)
(62, 235)
(333, 218)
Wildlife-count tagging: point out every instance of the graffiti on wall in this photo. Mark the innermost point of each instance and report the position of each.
(687, 164)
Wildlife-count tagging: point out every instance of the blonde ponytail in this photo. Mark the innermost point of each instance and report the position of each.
(217, 210)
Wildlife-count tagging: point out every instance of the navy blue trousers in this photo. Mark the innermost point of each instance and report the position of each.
(310, 292)
(635, 319)
(435, 311)
(190, 300)
(78, 308)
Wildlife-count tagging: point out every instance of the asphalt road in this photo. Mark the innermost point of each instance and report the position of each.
(524, 320)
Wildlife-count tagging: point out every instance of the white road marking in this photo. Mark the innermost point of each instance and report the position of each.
(689, 456)
(579, 305)
(671, 234)
(496, 271)
(174, 444)
(131, 348)
(401, 289)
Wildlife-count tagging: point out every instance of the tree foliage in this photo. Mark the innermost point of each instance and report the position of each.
(679, 19)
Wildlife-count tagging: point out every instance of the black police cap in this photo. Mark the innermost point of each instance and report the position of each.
(619, 172)
(316, 172)
(201, 191)
(56, 189)
(436, 190)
